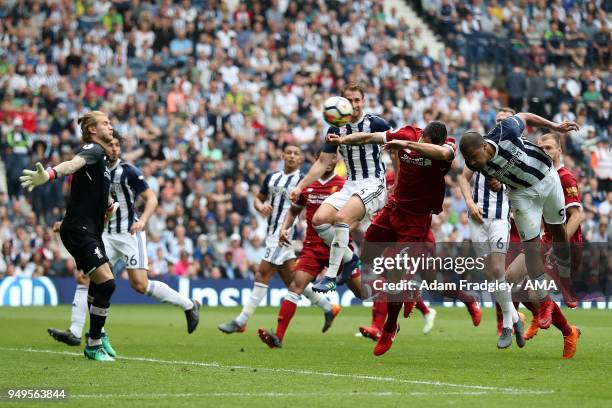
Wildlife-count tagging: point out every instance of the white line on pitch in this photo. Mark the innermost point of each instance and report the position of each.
(302, 372)
(284, 394)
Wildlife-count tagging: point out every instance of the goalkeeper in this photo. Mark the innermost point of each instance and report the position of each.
(88, 209)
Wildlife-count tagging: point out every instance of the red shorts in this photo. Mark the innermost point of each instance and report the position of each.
(394, 225)
(313, 259)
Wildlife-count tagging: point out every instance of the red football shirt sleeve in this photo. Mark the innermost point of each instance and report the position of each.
(570, 190)
(406, 133)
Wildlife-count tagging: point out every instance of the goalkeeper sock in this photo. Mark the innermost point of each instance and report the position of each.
(99, 310)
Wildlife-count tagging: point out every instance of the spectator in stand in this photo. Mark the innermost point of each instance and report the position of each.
(207, 95)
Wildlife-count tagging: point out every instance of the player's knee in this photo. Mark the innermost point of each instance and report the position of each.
(139, 285)
(262, 276)
(320, 218)
(343, 218)
(293, 287)
(104, 292)
(82, 279)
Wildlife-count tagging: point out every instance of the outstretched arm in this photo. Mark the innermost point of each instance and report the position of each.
(429, 150)
(31, 179)
(538, 121)
(358, 138)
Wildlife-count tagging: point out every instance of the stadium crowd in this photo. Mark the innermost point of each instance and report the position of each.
(206, 93)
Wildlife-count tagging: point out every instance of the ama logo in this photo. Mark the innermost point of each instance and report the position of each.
(27, 292)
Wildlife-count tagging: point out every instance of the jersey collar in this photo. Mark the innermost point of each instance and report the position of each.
(116, 165)
(359, 120)
(293, 172)
(327, 181)
(492, 143)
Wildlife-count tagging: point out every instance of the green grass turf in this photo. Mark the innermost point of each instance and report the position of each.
(238, 370)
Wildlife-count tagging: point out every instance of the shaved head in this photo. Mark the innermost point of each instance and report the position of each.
(473, 149)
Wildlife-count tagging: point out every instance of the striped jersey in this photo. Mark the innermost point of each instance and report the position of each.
(518, 163)
(363, 162)
(127, 182)
(276, 187)
(493, 204)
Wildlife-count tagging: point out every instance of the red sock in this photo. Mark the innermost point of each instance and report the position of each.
(379, 313)
(393, 310)
(560, 321)
(458, 295)
(286, 312)
(533, 308)
(422, 306)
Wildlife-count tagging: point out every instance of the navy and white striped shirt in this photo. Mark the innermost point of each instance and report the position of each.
(493, 204)
(127, 182)
(363, 162)
(517, 163)
(276, 187)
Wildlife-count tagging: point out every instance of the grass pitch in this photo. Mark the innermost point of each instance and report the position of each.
(161, 365)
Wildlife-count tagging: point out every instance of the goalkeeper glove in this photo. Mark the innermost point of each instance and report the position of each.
(31, 179)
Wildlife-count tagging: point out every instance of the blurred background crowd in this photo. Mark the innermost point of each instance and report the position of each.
(206, 93)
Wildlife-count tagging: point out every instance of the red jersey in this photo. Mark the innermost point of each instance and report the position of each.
(312, 197)
(572, 198)
(421, 186)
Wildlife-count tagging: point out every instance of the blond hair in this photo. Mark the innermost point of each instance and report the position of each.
(552, 136)
(88, 120)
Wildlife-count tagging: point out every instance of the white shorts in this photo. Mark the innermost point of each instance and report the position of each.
(373, 194)
(277, 254)
(542, 200)
(131, 248)
(490, 236)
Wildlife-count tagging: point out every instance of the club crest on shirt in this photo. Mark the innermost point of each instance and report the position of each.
(572, 191)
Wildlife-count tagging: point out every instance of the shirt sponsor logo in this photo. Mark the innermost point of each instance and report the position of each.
(418, 161)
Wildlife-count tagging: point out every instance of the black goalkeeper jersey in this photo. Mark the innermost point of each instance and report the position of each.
(89, 191)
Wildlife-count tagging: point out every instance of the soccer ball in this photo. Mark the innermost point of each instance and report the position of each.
(337, 111)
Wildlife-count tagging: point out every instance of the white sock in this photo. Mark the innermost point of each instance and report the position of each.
(317, 298)
(563, 266)
(337, 249)
(258, 293)
(541, 291)
(165, 294)
(94, 342)
(79, 311)
(504, 298)
(293, 297)
(325, 232)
